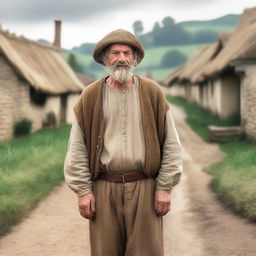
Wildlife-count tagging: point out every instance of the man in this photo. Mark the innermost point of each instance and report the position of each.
(124, 154)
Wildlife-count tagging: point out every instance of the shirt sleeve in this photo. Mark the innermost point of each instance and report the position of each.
(171, 165)
(76, 166)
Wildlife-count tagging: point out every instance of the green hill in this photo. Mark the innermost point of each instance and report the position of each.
(228, 20)
(154, 54)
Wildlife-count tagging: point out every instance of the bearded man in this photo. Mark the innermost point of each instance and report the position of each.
(124, 154)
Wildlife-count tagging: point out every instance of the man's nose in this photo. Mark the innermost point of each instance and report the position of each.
(121, 57)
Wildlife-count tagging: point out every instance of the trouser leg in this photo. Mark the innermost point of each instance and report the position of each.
(126, 223)
(107, 230)
(144, 228)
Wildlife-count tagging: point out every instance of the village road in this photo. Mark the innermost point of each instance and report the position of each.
(198, 225)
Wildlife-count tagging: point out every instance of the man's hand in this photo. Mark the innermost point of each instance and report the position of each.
(86, 206)
(162, 202)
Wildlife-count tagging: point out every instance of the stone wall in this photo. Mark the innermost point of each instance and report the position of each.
(175, 90)
(15, 102)
(248, 101)
(14, 97)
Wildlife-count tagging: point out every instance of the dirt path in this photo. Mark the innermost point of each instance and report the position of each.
(198, 225)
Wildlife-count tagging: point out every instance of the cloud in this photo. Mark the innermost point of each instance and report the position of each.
(73, 10)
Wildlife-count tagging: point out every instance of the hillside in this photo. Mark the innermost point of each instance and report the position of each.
(227, 20)
(208, 30)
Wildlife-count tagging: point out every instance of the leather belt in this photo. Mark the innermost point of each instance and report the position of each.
(122, 178)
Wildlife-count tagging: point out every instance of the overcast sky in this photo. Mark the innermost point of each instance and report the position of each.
(89, 20)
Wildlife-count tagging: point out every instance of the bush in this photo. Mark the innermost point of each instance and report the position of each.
(172, 59)
(22, 127)
(50, 121)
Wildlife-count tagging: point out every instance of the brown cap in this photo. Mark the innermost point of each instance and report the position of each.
(119, 36)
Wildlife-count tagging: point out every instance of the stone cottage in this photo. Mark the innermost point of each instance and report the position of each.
(214, 94)
(229, 74)
(36, 83)
(245, 65)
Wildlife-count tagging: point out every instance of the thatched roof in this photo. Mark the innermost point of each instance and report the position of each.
(173, 76)
(241, 44)
(192, 71)
(42, 66)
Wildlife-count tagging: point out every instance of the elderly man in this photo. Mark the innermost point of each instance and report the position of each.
(124, 154)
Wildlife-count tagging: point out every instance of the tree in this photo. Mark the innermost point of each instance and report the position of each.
(138, 27)
(74, 64)
(172, 59)
(168, 22)
(156, 27)
(170, 34)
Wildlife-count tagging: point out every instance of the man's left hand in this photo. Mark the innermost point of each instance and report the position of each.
(162, 202)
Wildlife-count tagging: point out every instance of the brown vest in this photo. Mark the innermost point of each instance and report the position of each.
(89, 113)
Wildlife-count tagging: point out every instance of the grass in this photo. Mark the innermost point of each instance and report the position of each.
(30, 167)
(234, 178)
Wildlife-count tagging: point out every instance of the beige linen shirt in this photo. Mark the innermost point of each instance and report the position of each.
(123, 147)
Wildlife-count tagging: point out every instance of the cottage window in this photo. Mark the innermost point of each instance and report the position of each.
(37, 97)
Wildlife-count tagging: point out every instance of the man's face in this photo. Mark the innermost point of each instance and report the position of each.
(120, 53)
(120, 62)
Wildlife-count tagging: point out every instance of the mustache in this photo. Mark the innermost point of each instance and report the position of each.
(121, 64)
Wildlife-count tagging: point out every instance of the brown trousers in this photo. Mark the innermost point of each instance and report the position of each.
(126, 223)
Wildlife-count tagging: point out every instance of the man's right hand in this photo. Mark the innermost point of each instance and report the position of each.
(86, 206)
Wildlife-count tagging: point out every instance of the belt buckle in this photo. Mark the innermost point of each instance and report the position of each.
(123, 177)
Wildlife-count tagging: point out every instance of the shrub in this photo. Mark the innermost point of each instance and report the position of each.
(50, 121)
(172, 59)
(22, 127)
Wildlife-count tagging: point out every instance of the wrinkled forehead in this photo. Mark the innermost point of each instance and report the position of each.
(120, 47)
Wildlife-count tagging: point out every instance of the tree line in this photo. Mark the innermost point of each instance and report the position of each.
(170, 33)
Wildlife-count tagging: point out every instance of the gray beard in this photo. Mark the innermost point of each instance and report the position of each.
(120, 75)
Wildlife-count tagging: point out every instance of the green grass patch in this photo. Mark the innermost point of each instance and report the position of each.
(234, 178)
(30, 167)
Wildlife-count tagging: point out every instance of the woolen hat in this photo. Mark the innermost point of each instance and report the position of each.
(119, 36)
